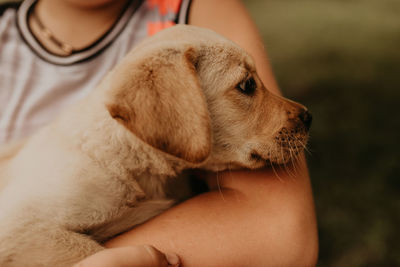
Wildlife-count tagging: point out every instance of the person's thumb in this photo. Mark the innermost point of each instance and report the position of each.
(136, 256)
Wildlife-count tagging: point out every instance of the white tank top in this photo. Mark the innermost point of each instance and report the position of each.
(35, 85)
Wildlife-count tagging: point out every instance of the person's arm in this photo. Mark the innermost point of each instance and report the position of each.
(255, 219)
(250, 218)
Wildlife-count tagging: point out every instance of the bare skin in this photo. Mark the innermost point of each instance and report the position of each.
(249, 218)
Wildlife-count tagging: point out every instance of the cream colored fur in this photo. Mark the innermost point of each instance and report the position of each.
(173, 103)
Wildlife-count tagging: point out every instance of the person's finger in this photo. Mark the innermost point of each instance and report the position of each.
(138, 256)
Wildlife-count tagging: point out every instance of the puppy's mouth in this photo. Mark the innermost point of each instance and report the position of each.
(287, 146)
(258, 158)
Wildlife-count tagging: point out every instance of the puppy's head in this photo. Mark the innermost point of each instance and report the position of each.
(196, 96)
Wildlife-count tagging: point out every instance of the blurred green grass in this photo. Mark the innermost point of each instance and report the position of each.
(342, 60)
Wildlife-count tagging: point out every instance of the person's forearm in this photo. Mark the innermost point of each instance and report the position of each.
(255, 219)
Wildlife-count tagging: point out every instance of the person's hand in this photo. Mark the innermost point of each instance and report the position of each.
(136, 256)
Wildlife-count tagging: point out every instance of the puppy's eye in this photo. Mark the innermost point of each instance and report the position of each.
(247, 86)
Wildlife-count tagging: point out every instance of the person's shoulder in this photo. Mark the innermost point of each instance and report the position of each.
(9, 5)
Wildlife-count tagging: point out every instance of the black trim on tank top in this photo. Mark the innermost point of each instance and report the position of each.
(81, 55)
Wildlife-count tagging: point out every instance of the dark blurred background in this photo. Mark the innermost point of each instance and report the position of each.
(341, 58)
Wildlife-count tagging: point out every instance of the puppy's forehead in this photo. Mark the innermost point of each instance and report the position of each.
(189, 34)
(184, 36)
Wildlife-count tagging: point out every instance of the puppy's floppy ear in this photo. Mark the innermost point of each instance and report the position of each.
(159, 99)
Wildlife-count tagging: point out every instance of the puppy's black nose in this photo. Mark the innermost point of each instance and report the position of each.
(306, 118)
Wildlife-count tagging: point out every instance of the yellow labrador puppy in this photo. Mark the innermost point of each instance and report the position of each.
(183, 98)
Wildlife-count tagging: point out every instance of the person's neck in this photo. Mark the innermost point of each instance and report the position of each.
(74, 24)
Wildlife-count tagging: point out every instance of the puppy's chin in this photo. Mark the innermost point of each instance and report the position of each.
(286, 147)
(251, 162)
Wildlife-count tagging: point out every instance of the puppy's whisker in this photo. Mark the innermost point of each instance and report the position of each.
(303, 145)
(219, 187)
(283, 166)
(235, 192)
(275, 172)
(291, 158)
(272, 166)
(284, 162)
(295, 155)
